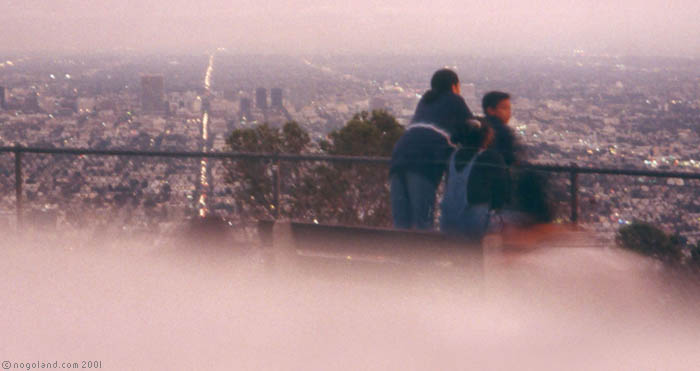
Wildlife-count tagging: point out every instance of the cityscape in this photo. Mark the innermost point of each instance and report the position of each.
(298, 185)
(601, 111)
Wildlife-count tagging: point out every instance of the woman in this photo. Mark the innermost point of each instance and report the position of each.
(420, 155)
(477, 183)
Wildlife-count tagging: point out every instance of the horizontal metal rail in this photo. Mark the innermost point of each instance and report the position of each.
(611, 171)
(334, 158)
(215, 155)
(573, 170)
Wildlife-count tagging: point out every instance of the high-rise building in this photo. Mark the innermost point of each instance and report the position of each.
(261, 98)
(152, 93)
(31, 103)
(245, 107)
(276, 97)
(2, 97)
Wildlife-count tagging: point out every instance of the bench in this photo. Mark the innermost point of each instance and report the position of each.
(371, 253)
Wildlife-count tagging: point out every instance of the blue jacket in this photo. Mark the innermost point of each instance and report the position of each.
(429, 140)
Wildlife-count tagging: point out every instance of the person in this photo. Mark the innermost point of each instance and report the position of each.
(528, 202)
(497, 109)
(476, 185)
(419, 157)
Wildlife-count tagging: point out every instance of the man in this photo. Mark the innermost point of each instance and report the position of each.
(497, 109)
(529, 190)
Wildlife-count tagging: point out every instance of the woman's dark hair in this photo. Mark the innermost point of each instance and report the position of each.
(442, 81)
(474, 135)
(477, 133)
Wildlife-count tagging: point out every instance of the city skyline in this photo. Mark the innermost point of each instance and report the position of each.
(625, 113)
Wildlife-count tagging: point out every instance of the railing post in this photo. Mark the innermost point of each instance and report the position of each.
(276, 187)
(18, 185)
(574, 193)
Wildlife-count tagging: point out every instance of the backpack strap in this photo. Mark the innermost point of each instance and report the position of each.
(453, 158)
(467, 169)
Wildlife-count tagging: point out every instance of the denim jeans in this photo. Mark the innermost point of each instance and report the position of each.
(412, 201)
(471, 223)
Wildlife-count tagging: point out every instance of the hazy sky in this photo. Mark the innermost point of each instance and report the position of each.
(634, 27)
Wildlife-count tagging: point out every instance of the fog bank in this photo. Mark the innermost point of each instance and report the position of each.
(133, 305)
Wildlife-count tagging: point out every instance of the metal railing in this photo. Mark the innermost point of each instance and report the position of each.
(277, 158)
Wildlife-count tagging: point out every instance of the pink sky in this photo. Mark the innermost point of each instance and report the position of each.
(642, 27)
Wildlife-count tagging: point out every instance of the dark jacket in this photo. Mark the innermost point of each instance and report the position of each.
(488, 181)
(448, 111)
(424, 150)
(505, 142)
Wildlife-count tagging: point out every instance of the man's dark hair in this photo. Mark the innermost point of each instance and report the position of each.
(492, 99)
(442, 81)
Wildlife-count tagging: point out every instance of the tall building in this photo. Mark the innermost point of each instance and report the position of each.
(152, 93)
(2, 97)
(276, 97)
(261, 98)
(166, 108)
(31, 103)
(245, 107)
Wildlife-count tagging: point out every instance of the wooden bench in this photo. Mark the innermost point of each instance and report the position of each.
(339, 250)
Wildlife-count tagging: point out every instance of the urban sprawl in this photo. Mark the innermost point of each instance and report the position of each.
(602, 111)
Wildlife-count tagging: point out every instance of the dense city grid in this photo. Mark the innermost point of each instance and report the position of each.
(594, 111)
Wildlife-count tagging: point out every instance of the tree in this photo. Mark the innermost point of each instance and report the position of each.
(365, 135)
(357, 193)
(254, 179)
(328, 192)
(649, 240)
